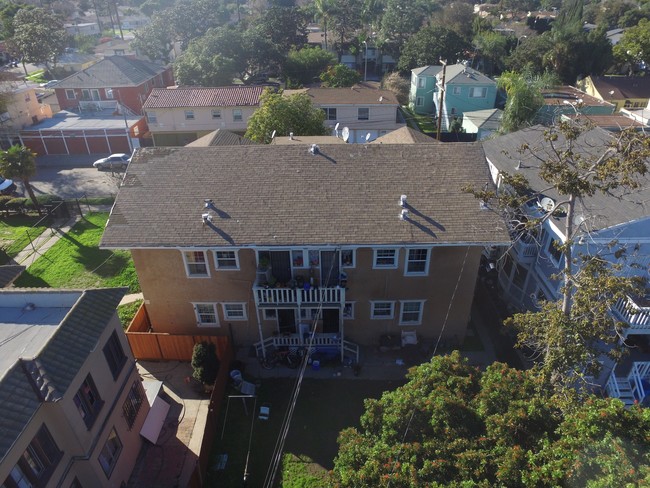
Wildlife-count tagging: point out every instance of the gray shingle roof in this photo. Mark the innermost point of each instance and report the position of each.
(276, 195)
(600, 211)
(225, 96)
(459, 74)
(405, 135)
(61, 359)
(112, 72)
(220, 137)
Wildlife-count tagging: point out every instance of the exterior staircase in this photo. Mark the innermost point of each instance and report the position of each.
(633, 388)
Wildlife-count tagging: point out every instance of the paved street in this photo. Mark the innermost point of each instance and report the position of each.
(72, 176)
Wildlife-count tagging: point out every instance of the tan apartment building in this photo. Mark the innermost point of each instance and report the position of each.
(358, 114)
(72, 403)
(22, 110)
(270, 242)
(178, 116)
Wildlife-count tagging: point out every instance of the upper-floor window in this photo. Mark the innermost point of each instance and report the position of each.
(87, 94)
(417, 262)
(196, 264)
(382, 310)
(411, 313)
(216, 113)
(347, 258)
(237, 115)
(330, 113)
(37, 463)
(110, 453)
(457, 90)
(553, 249)
(420, 82)
(152, 118)
(206, 314)
(109, 93)
(478, 92)
(419, 101)
(385, 258)
(70, 94)
(189, 115)
(114, 354)
(133, 402)
(226, 259)
(363, 114)
(234, 311)
(348, 311)
(88, 402)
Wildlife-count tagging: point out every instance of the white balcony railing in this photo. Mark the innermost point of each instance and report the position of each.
(634, 387)
(319, 341)
(636, 317)
(526, 251)
(299, 296)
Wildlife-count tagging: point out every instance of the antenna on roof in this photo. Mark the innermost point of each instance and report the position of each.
(273, 135)
(336, 129)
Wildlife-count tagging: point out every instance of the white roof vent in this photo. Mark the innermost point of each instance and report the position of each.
(206, 217)
(404, 214)
(402, 201)
(314, 149)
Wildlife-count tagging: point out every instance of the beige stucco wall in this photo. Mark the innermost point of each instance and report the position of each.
(380, 117)
(22, 106)
(169, 294)
(173, 119)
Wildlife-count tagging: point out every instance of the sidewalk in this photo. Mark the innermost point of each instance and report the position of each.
(42, 243)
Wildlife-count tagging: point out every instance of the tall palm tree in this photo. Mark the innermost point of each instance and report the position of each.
(20, 162)
(323, 10)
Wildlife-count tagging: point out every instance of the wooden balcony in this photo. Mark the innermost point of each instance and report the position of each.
(298, 297)
(635, 312)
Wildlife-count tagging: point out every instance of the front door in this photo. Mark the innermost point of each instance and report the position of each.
(286, 321)
(331, 320)
(281, 266)
(329, 268)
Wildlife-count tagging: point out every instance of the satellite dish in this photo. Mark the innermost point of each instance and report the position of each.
(273, 135)
(547, 204)
(345, 134)
(367, 136)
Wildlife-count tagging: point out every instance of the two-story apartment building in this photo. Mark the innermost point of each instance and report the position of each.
(457, 87)
(22, 110)
(366, 112)
(270, 241)
(114, 79)
(615, 227)
(178, 116)
(71, 401)
(623, 91)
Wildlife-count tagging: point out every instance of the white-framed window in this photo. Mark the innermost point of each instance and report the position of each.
(385, 258)
(478, 92)
(553, 250)
(226, 260)
(330, 113)
(417, 262)
(152, 118)
(108, 92)
(270, 314)
(189, 115)
(216, 113)
(298, 258)
(411, 312)
(420, 82)
(70, 94)
(363, 113)
(348, 258)
(196, 264)
(237, 115)
(110, 453)
(419, 101)
(206, 314)
(234, 311)
(382, 310)
(457, 90)
(348, 311)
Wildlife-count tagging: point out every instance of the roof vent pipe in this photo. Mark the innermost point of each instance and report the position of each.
(402, 201)
(314, 149)
(291, 136)
(404, 214)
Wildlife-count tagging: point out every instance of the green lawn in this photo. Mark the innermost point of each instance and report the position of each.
(423, 123)
(311, 443)
(127, 312)
(13, 234)
(75, 261)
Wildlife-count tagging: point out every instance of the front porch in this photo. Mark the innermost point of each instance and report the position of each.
(331, 344)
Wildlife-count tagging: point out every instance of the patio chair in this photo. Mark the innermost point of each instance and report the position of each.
(265, 412)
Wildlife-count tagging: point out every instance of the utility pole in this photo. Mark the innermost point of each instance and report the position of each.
(442, 97)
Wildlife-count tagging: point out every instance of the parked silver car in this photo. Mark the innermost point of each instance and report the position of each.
(114, 161)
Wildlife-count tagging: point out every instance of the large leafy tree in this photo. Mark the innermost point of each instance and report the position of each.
(429, 46)
(284, 115)
(303, 65)
(20, 162)
(155, 40)
(39, 36)
(339, 76)
(634, 46)
(400, 21)
(284, 27)
(524, 97)
(452, 425)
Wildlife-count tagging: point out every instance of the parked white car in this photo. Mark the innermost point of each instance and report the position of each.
(114, 161)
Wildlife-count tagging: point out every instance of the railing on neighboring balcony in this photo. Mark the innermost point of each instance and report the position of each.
(299, 296)
(97, 105)
(319, 341)
(634, 388)
(526, 249)
(635, 315)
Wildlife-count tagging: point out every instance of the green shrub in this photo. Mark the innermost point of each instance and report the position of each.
(16, 204)
(43, 200)
(205, 363)
(4, 199)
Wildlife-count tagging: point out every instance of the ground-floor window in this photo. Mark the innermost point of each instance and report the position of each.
(206, 314)
(234, 311)
(382, 310)
(110, 453)
(411, 312)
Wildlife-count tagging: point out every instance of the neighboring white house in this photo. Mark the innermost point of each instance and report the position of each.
(483, 123)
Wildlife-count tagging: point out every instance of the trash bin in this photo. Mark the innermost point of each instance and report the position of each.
(315, 365)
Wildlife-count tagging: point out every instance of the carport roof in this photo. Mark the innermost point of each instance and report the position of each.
(103, 119)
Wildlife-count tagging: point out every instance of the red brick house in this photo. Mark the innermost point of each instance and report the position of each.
(121, 79)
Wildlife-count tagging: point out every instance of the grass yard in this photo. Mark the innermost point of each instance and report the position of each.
(13, 234)
(127, 311)
(423, 123)
(76, 261)
(324, 408)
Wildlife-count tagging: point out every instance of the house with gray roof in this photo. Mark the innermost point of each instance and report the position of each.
(266, 243)
(615, 227)
(71, 401)
(115, 79)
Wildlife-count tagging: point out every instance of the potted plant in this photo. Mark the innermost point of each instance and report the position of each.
(264, 263)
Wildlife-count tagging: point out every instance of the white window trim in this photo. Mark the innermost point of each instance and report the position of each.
(67, 94)
(354, 258)
(419, 101)
(187, 269)
(237, 115)
(421, 83)
(216, 260)
(351, 316)
(198, 317)
(457, 90)
(226, 315)
(483, 92)
(401, 312)
(189, 115)
(374, 258)
(382, 317)
(216, 113)
(152, 118)
(426, 265)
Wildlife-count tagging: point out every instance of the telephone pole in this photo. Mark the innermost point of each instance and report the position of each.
(442, 96)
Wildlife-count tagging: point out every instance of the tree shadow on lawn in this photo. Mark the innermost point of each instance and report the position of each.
(27, 280)
(102, 262)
